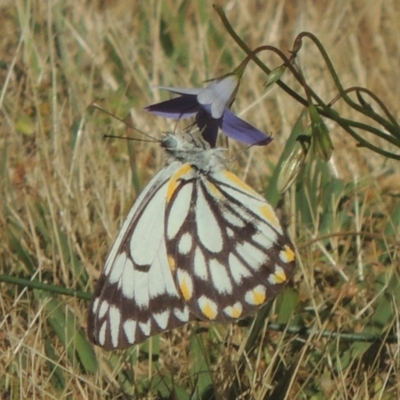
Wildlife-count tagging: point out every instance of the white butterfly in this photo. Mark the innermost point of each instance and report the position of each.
(197, 244)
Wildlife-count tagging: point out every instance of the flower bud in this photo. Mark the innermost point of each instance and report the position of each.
(294, 162)
(321, 140)
(275, 75)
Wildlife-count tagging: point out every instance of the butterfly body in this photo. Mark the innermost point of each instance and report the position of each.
(198, 243)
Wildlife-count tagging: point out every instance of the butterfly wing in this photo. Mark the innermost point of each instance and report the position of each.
(225, 245)
(136, 295)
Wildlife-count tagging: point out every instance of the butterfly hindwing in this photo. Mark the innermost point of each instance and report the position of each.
(225, 244)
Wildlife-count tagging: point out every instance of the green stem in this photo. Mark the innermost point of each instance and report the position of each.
(349, 337)
(34, 284)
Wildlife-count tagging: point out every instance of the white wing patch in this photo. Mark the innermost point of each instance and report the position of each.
(101, 337)
(220, 277)
(253, 255)
(180, 209)
(208, 229)
(149, 231)
(185, 243)
(103, 308)
(115, 273)
(115, 321)
(142, 297)
(238, 269)
(182, 314)
(127, 282)
(199, 264)
(162, 318)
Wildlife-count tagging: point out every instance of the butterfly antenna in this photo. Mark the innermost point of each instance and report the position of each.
(127, 123)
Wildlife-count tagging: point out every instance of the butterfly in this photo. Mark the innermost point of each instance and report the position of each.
(198, 244)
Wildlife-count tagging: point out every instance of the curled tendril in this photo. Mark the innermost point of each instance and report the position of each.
(390, 128)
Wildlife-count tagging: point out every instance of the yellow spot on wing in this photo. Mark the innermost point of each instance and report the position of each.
(185, 284)
(268, 213)
(256, 296)
(171, 262)
(174, 181)
(280, 277)
(213, 189)
(287, 255)
(237, 181)
(186, 293)
(259, 297)
(236, 312)
(208, 310)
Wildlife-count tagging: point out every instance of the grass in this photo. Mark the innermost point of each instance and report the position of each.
(65, 191)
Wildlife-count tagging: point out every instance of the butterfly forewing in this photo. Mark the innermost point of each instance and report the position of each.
(225, 244)
(136, 296)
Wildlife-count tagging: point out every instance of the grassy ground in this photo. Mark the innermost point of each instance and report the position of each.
(65, 191)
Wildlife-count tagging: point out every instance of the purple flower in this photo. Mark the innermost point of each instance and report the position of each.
(210, 106)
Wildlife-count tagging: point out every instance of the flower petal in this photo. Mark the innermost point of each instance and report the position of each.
(219, 94)
(208, 127)
(181, 107)
(242, 131)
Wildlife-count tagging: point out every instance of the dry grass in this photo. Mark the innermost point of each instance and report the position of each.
(65, 191)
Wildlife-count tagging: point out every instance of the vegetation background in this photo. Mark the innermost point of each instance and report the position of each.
(65, 191)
